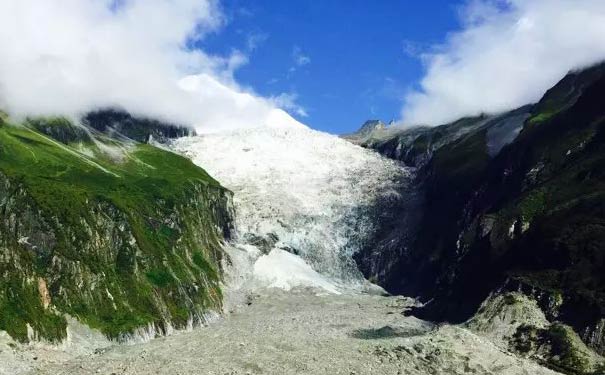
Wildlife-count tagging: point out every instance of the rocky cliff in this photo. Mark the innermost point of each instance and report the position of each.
(124, 236)
(508, 202)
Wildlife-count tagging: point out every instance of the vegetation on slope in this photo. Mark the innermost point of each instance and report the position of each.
(119, 123)
(121, 235)
(530, 217)
(534, 213)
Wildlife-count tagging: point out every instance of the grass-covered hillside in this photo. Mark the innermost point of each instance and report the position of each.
(119, 234)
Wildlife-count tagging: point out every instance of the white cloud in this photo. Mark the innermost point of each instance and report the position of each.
(255, 39)
(69, 56)
(507, 54)
(288, 102)
(412, 49)
(299, 58)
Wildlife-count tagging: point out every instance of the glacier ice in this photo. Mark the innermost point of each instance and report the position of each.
(300, 191)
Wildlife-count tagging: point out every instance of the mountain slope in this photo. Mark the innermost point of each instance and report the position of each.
(305, 201)
(527, 217)
(121, 235)
(447, 161)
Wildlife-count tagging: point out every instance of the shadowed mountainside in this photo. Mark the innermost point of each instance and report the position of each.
(508, 202)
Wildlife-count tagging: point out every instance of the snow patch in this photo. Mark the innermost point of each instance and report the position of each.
(280, 269)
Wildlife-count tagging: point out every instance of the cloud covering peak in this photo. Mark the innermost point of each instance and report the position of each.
(70, 56)
(508, 53)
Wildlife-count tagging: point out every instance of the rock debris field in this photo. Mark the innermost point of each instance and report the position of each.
(295, 332)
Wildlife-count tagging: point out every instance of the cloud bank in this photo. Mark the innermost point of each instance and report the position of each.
(66, 57)
(508, 53)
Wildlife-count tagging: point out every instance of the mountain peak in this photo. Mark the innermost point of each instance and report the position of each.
(370, 126)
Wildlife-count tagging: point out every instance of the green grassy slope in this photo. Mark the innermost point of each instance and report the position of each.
(121, 235)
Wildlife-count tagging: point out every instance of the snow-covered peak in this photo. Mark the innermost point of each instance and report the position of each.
(301, 191)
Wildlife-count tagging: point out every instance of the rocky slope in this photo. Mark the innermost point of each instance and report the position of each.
(514, 201)
(297, 332)
(123, 236)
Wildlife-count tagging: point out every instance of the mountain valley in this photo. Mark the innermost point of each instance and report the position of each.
(134, 246)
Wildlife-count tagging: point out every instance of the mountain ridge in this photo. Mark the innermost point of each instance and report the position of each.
(528, 217)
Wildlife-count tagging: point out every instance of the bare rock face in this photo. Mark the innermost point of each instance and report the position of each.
(371, 126)
(44, 294)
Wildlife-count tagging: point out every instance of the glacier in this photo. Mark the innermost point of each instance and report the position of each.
(305, 201)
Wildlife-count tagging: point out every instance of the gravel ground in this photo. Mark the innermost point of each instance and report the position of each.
(296, 332)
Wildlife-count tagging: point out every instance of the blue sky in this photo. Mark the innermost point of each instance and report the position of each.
(342, 64)
(331, 63)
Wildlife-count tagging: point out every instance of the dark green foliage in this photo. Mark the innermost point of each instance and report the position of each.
(557, 347)
(160, 278)
(204, 266)
(562, 347)
(458, 166)
(19, 305)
